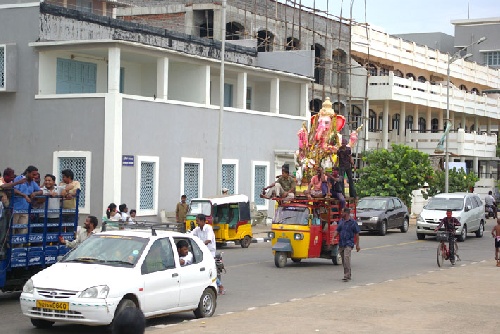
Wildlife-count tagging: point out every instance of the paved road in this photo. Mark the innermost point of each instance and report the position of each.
(254, 283)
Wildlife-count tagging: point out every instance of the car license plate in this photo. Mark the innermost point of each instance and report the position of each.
(58, 306)
(360, 223)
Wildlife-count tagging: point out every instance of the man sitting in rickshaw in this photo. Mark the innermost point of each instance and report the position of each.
(284, 187)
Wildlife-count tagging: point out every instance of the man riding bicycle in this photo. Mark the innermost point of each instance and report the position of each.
(449, 223)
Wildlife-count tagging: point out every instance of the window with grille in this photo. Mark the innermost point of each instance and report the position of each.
(259, 182)
(229, 177)
(2, 67)
(75, 77)
(492, 58)
(79, 163)
(191, 180)
(147, 185)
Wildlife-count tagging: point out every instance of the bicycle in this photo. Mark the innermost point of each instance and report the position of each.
(443, 253)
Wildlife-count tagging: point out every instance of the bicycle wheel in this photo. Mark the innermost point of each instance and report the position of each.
(440, 254)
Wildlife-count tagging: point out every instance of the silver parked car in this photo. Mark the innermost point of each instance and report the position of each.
(467, 208)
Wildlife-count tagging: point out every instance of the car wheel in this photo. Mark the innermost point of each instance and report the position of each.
(207, 304)
(383, 228)
(294, 260)
(280, 259)
(463, 235)
(480, 231)
(420, 236)
(41, 324)
(404, 227)
(124, 303)
(246, 241)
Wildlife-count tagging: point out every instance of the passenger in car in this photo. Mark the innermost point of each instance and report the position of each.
(185, 256)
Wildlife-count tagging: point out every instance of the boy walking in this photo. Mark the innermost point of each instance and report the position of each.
(496, 234)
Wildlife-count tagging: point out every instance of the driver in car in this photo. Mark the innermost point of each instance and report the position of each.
(185, 256)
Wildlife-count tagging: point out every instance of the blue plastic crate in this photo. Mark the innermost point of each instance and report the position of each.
(35, 257)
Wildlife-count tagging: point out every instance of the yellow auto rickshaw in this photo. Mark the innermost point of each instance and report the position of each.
(228, 215)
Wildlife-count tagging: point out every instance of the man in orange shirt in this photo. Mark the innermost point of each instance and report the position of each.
(316, 185)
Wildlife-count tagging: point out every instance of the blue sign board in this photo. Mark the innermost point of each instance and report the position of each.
(128, 160)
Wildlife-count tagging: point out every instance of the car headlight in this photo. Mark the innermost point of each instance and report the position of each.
(100, 291)
(28, 286)
(270, 235)
(374, 219)
(298, 236)
(420, 219)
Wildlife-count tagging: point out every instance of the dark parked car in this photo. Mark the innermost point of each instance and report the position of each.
(379, 213)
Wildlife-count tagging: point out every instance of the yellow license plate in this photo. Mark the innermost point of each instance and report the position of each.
(58, 306)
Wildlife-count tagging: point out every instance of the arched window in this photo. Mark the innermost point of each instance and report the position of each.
(463, 87)
(410, 76)
(339, 68)
(434, 125)
(383, 72)
(398, 73)
(422, 79)
(372, 70)
(372, 121)
(319, 63)
(265, 40)
(396, 118)
(474, 91)
(356, 117)
(421, 125)
(409, 123)
(234, 31)
(315, 106)
(292, 44)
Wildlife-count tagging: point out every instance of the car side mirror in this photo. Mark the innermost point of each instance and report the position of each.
(468, 208)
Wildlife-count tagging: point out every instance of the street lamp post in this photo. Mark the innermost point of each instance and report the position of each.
(452, 59)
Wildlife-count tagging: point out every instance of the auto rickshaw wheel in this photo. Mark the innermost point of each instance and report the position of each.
(280, 259)
(246, 241)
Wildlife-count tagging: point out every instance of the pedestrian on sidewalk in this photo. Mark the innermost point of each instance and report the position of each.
(348, 230)
(496, 234)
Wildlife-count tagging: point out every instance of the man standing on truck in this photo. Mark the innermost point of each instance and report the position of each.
(24, 193)
(284, 187)
(348, 230)
(83, 233)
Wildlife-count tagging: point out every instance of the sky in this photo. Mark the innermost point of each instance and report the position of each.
(409, 16)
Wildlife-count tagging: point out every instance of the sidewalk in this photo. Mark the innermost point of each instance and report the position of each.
(462, 299)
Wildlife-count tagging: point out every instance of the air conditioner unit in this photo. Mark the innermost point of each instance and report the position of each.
(8, 67)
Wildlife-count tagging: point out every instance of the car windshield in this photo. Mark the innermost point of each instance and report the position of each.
(372, 204)
(114, 250)
(197, 207)
(291, 215)
(435, 203)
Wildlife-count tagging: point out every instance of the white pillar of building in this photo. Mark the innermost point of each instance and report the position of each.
(207, 86)
(162, 78)
(402, 124)
(477, 126)
(112, 169)
(452, 120)
(241, 91)
(463, 121)
(415, 118)
(475, 164)
(441, 121)
(385, 125)
(428, 120)
(488, 126)
(304, 100)
(274, 108)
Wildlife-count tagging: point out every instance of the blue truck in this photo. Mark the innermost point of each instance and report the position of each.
(26, 249)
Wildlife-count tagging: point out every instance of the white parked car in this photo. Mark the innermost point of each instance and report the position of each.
(117, 269)
(466, 207)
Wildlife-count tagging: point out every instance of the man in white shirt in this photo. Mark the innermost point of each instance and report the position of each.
(185, 256)
(489, 201)
(50, 189)
(205, 232)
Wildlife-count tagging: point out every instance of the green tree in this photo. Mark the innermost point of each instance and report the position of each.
(458, 181)
(394, 173)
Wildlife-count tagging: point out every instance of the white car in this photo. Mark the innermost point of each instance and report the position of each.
(117, 269)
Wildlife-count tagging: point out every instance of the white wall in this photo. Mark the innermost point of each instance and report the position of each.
(181, 75)
(261, 99)
(289, 98)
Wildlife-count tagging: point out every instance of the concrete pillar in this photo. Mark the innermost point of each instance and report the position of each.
(113, 70)
(415, 118)
(452, 120)
(402, 124)
(488, 126)
(162, 78)
(274, 108)
(475, 165)
(477, 126)
(463, 121)
(207, 86)
(217, 24)
(241, 91)
(441, 122)
(189, 27)
(428, 120)
(385, 125)
(103, 8)
(304, 99)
